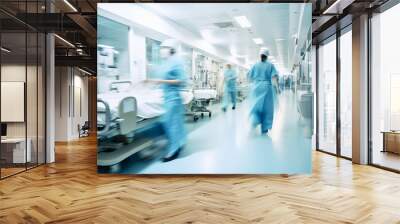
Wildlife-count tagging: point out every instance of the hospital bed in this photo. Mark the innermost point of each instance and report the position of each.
(201, 100)
(128, 120)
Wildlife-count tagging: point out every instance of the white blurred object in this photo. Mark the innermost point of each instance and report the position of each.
(170, 43)
(264, 52)
(164, 53)
(106, 59)
(205, 93)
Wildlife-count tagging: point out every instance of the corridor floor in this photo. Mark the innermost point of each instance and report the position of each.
(226, 144)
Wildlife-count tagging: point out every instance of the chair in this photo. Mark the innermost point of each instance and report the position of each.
(84, 130)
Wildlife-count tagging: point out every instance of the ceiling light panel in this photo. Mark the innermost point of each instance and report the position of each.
(243, 21)
(258, 40)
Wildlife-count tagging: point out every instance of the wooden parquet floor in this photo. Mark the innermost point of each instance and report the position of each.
(70, 191)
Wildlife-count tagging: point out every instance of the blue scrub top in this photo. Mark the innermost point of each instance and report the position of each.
(263, 71)
(173, 69)
(230, 79)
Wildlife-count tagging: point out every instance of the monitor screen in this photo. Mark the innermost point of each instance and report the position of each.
(3, 129)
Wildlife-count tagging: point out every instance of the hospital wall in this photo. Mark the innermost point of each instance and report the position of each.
(71, 102)
(138, 52)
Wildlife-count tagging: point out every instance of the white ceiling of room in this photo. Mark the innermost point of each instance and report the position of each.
(276, 24)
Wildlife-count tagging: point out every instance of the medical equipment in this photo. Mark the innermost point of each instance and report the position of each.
(201, 100)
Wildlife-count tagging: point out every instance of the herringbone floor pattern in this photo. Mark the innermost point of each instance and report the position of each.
(70, 191)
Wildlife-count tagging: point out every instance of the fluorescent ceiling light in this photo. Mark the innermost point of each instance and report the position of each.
(243, 21)
(86, 72)
(65, 41)
(258, 40)
(5, 50)
(70, 5)
(337, 7)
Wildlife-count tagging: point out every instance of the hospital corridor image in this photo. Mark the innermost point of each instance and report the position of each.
(213, 89)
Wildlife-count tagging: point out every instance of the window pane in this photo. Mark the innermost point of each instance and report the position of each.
(327, 97)
(113, 51)
(346, 93)
(386, 89)
(153, 58)
(14, 153)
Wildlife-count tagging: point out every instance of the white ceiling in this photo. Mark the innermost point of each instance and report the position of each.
(276, 24)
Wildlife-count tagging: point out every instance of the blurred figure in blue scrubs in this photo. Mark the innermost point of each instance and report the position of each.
(174, 79)
(262, 96)
(229, 87)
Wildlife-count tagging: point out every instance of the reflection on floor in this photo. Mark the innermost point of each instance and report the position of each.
(5, 172)
(226, 144)
(386, 159)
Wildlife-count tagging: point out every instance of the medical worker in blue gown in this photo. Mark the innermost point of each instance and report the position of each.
(262, 95)
(174, 79)
(229, 88)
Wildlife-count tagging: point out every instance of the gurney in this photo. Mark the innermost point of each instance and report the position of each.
(201, 100)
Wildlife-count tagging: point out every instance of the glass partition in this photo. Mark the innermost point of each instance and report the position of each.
(22, 77)
(327, 96)
(15, 149)
(346, 93)
(385, 89)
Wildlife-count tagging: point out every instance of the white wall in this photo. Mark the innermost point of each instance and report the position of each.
(138, 52)
(70, 82)
(61, 103)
